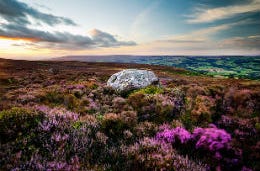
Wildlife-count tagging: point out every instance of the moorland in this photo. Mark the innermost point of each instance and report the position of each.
(60, 115)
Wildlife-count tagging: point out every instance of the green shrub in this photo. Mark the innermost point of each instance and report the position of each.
(163, 109)
(120, 104)
(157, 108)
(114, 124)
(17, 122)
(54, 97)
(186, 120)
(201, 109)
(145, 129)
(257, 126)
(77, 124)
(71, 102)
(241, 102)
(129, 118)
(78, 93)
(137, 101)
(150, 90)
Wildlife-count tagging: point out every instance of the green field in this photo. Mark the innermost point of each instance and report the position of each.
(230, 67)
(247, 67)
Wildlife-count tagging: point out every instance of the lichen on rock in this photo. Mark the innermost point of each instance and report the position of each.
(131, 79)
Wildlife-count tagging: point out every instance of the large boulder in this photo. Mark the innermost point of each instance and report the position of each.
(131, 79)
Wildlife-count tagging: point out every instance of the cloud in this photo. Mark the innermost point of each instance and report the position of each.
(198, 36)
(60, 39)
(201, 42)
(103, 39)
(12, 31)
(206, 15)
(205, 34)
(198, 42)
(250, 42)
(18, 12)
(18, 27)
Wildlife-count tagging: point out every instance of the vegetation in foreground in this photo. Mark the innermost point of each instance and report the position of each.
(62, 116)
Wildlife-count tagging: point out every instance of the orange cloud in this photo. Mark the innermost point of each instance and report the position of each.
(20, 38)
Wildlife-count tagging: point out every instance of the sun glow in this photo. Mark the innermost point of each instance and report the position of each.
(19, 48)
(19, 38)
(6, 44)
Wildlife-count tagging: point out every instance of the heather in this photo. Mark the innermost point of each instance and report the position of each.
(70, 120)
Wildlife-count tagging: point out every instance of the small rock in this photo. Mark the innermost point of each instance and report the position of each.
(131, 79)
(53, 71)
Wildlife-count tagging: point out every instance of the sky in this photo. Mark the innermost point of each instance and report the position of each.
(41, 29)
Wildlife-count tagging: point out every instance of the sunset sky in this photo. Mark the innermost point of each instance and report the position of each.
(40, 29)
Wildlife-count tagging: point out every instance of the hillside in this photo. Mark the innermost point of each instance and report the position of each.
(60, 115)
(246, 67)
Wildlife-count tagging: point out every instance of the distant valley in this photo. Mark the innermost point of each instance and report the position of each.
(247, 67)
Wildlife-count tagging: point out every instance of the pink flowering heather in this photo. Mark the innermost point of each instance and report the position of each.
(26, 97)
(246, 169)
(55, 118)
(92, 104)
(57, 165)
(212, 139)
(164, 126)
(76, 86)
(57, 137)
(171, 135)
(61, 112)
(45, 125)
(64, 166)
(164, 82)
(153, 154)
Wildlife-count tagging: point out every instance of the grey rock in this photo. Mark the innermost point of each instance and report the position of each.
(53, 71)
(131, 79)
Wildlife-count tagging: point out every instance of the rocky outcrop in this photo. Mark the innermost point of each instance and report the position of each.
(131, 79)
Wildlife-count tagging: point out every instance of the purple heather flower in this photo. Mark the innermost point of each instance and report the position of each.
(212, 139)
(234, 161)
(42, 108)
(58, 137)
(245, 169)
(70, 87)
(45, 125)
(60, 112)
(26, 97)
(166, 135)
(164, 126)
(79, 86)
(212, 126)
(164, 82)
(218, 155)
(57, 165)
(170, 135)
